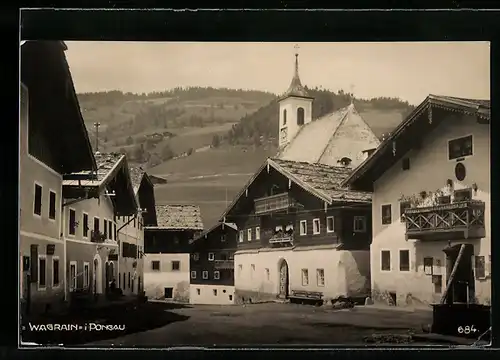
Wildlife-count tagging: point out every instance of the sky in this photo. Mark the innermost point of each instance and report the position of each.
(410, 71)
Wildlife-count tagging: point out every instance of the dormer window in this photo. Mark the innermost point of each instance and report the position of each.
(300, 116)
(345, 161)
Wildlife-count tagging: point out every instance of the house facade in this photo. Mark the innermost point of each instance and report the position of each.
(431, 205)
(48, 106)
(301, 234)
(92, 204)
(167, 249)
(212, 266)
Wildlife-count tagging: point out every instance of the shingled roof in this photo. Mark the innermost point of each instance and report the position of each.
(296, 88)
(137, 173)
(178, 217)
(107, 165)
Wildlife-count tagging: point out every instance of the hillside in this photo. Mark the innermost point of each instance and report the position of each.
(209, 142)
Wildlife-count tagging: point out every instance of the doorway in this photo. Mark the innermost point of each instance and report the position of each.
(97, 275)
(462, 288)
(284, 280)
(169, 293)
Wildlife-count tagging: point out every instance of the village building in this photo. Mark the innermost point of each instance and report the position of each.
(48, 108)
(131, 234)
(92, 203)
(167, 249)
(431, 205)
(212, 265)
(302, 235)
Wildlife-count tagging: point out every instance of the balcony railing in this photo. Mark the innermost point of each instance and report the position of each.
(224, 264)
(446, 221)
(97, 236)
(274, 203)
(281, 239)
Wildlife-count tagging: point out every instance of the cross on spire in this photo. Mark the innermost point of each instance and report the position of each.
(296, 47)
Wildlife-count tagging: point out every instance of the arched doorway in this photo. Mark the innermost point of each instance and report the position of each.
(97, 275)
(283, 279)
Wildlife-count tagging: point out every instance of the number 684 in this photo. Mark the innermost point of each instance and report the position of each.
(466, 329)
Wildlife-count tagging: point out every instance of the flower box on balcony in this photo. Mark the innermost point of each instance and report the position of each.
(97, 236)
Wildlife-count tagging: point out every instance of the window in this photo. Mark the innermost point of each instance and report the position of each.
(230, 297)
(223, 238)
(437, 280)
(129, 280)
(86, 275)
(320, 277)
(37, 207)
(96, 224)
(72, 275)
(52, 205)
(193, 274)
(460, 148)
(303, 227)
(216, 275)
(211, 256)
(124, 281)
(359, 224)
(176, 265)
(267, 274)
(240, 238)
(462, 195)
(480, 268)
(257, 233)
(72, 222)
(305, 277)
(403, 205)
(205, 275)
(249, 234)
(284, 116)
(300, 116)
(55, 272)
(85, 225)
(215, 292)
(404, 260)
(240, 269)
(428, 265)
(316, 227)
(110, 230)
(119, 282)
(155, 264)
(168, 292)
(405, 164)
(114, 231)
(488, 266)
(330, 224)
(386, 214)
(385, 261)
(196, 256)
(252, 270)
(135, 219)
(198, 291)
(105, 228)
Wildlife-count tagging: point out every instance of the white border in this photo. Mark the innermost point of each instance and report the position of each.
(42, 288)
(240, 236)
(409, 260)
(257, 233)
(153, 269)
(73, 283)
(249, 234)
(83, 225)
(302, 272)
(319, 226)
(462, 157)
(193, 274)
(211, 256)
(56, 286)
(318, 277)
(203, 275)
(172, 265)
(69, 222)
(333, 222)
(382, 214)
(86, 282)
(390, 262)
(216, 275)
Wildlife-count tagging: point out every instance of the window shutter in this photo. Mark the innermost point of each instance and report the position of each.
(34, 263)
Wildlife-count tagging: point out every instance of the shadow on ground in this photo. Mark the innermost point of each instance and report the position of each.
(102, 324)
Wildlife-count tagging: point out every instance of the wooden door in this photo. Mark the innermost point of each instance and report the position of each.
(283, 291)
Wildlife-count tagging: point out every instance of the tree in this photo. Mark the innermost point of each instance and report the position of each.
(129, 141)
(167, 153)
(215, 141)
(122, 151)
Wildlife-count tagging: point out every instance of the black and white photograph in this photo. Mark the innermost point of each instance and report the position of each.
(178, 194)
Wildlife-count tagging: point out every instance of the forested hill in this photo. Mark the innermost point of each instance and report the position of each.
(382, 114)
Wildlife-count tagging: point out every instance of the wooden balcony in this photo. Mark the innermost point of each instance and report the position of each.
(460, 220)
(281, 239)
(224, 264)
(274, 203)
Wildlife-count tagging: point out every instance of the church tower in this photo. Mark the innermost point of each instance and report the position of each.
(295, 108)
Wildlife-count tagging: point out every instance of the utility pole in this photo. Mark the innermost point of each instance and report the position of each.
(96, 125)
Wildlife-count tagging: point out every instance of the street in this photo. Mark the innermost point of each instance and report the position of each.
(274, 323)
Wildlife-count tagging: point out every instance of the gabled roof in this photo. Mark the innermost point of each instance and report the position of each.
(322, 181)
(178, 217)
(107, 167)
(137, 174)
(410, 132)
(328, 139)
(215, 227)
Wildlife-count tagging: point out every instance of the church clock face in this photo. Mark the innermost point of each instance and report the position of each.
(283, 134)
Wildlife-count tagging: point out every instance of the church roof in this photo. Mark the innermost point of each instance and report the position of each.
(296, 88)
(326, 140)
